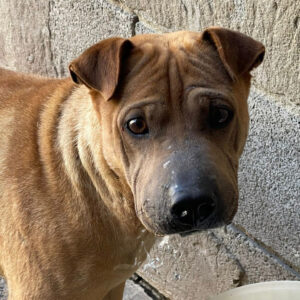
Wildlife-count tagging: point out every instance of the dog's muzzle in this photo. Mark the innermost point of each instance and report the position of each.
(192, 194)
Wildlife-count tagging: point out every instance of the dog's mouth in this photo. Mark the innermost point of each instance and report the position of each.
(211, 224)
(168, 223)
(170, 227)
(194, 231)
(188, 233)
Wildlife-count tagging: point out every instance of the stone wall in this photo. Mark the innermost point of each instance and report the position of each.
(264, 241)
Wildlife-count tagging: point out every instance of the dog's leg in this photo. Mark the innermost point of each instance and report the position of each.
(116, 293)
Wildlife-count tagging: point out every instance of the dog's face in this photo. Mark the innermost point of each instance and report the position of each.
(174, 121)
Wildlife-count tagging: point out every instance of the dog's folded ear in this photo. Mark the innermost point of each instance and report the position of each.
(239, 53)
(99, 67)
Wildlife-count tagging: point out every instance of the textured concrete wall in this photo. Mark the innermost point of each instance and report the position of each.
(264, 241)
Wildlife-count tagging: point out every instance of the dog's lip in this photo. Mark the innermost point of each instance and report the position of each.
(191, 231)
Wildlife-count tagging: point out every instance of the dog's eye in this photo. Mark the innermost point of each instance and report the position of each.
(219, 116)
(137, 126)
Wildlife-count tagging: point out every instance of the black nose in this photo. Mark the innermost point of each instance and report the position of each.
(192, 208)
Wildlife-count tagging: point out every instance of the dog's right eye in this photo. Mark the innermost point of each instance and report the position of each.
(137, 126)
(219, 116)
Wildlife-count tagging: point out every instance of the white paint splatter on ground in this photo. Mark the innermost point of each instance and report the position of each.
(164, 241)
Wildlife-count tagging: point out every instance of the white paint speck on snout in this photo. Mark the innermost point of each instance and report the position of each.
(166, 164)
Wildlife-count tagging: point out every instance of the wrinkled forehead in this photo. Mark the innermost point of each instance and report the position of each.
(167, 64)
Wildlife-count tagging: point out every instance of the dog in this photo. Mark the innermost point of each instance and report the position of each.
(142, 140)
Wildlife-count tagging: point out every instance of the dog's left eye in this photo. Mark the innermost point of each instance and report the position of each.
(137, 126)
(219, 116)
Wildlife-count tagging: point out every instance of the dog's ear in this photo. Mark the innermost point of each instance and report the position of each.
(239, 53)
(99, 66)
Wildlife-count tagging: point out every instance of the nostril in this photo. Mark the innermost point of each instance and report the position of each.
(185, 216)
(183, 211)
(205, 209)
(192, 210)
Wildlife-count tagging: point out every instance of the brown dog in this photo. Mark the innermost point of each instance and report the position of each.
(148, 136)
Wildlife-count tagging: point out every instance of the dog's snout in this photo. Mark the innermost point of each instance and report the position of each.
(192, 208)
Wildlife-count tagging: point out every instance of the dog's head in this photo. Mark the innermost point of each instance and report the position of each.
(174, 121)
